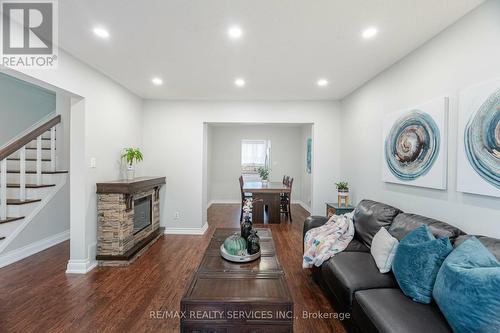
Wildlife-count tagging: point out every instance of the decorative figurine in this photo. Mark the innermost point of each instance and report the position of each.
(253, 243)
(235, 245)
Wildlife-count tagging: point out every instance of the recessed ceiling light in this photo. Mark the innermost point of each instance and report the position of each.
(101, 32)
(322, 82)
(239, 82)
(235, 32)
(369, 33)
(157, 81)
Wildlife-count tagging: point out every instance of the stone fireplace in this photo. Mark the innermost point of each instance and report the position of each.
(128, 219)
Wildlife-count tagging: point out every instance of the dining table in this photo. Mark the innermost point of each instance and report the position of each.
(266, 194)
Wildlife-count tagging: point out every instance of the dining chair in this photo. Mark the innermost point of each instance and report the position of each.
(244, 197)
(286, 201)
(284, 183)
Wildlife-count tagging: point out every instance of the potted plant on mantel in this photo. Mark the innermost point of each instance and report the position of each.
(342, 193)
(264, 174)
(131, 156)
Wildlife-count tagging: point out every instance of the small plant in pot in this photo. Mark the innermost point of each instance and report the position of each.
(131, 156)
(342, 188)
(342, 192)
(264, 174)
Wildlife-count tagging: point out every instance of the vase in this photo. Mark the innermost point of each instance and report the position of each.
(246, 227)
(235, 245)
(265, 181)
(130, 172)
(343, 196)
(253, 243)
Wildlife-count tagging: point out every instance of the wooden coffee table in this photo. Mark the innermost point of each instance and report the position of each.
(238, 297)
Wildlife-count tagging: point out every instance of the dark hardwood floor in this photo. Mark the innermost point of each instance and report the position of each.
(36, 295)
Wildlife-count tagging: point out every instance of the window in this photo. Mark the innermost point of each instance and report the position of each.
(254, 154)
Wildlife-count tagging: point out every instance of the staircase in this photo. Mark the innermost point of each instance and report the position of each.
(28, 178)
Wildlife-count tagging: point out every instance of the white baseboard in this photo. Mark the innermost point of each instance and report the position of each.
(187, 231)
(302, 204)
(83, 266)
(30, 249)
(222, 202)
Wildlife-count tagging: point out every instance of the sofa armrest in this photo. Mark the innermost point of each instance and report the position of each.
(313, 222)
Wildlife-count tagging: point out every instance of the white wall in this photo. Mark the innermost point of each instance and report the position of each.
(108, 118)
(54, 218)
(305, 189)
(465, 54)
(173, 140)
(23, 105)
(225, 159)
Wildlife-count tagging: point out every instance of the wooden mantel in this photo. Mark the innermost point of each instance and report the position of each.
(130, 186)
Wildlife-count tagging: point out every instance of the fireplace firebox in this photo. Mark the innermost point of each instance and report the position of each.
(142, 213)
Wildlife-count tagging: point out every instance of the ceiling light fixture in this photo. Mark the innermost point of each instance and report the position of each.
(235, 32)
(322, 82)
(157, 81)
(239, 82)
(369, 33)
(101, 32)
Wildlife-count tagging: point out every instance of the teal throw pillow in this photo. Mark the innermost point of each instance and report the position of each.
(467, 289)
(417, 262)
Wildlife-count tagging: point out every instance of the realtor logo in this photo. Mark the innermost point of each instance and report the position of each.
(29, 31)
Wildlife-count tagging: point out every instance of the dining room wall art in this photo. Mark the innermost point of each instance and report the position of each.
(415, 147)
(309, 156)
(478, 160)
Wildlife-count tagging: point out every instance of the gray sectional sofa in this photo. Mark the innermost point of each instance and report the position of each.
(353, 283)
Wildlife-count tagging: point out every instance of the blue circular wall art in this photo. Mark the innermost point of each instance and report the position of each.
(412, 145)
(482, 140)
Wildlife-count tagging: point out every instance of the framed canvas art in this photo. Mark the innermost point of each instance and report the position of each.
(309, 156)
(414, 149)
(478, 155)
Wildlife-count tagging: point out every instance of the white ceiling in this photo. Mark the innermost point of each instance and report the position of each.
(286, 47)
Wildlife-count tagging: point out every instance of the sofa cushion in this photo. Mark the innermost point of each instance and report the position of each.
(417, 262)
(492, 244)
(467, 288)
(348, 272)
(383, 250)
(356, 246)
(404, 223)
(312, 222)
(370, 216)
(389, 311)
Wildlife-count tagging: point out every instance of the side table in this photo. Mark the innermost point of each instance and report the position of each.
(334, 209)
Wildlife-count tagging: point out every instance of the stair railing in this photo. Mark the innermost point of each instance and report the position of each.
(20, 145)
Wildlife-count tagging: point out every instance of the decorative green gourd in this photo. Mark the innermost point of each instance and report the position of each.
(236, 245)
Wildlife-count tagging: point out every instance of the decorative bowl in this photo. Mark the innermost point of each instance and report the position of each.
(236, 258)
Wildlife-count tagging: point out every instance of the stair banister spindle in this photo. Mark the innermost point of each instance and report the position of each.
(3, 189)
(39, 160)
(53, 149)
(22, 174)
